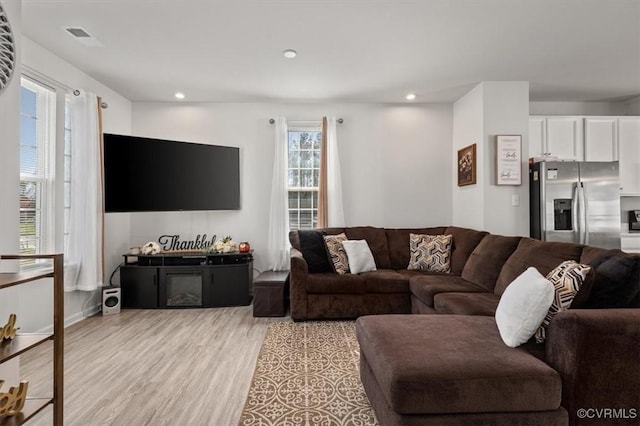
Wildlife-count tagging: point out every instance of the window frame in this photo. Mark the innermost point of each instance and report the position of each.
(300, 127)
(49, 181)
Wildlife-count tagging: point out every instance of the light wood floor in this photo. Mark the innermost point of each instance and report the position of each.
(153, 367)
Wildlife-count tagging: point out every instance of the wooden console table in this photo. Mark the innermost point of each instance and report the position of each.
(24, 342)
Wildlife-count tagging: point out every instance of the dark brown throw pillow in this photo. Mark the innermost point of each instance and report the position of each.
(616, 281)
(314, 251)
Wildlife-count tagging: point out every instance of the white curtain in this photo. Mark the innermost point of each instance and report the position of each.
(335, 212)
(83, 256)
(278, 241)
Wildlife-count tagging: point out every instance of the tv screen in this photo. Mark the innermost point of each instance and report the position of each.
(143, 174)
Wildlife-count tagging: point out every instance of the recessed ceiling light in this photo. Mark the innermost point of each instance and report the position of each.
(410, 96)
(290, 53)
(179, 95)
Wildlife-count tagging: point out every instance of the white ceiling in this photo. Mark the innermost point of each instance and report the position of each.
(348, 50)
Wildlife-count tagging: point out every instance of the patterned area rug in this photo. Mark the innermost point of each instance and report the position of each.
(307, 374)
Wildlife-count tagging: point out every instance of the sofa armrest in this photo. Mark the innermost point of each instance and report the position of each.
(298, 285)
(597, 354)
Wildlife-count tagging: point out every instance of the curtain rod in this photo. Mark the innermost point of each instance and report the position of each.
(339, 120)
(103, 104)
(45, 79)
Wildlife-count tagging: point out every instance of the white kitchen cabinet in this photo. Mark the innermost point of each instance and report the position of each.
(564, 138)
(537, 130)
(629, 148)
(601, 139)
(559, 137)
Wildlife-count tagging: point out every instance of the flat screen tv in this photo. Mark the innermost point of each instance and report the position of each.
(143, 175)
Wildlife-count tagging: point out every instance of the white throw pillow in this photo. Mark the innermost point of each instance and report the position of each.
(523, 306)
(359, 255)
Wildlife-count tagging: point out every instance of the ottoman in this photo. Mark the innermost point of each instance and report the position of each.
(453, 370)
(270, 294)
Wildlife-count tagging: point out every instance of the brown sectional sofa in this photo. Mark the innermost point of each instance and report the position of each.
(453, 368)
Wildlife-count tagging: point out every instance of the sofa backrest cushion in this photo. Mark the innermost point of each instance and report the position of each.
(542, 255)
(294, 237)
(464, 242)
(377, 240)
(589, 254)
(398, 244)
(616, 282)
(294, 240)
(488, 258)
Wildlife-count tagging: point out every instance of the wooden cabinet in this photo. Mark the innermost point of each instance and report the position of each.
(230, 284)
(601, 139)
(139, 286)
(187, 281)
(24, 342)
(559, 137)
(629, 149)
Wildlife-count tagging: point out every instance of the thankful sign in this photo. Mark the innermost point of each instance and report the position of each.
(174, 243)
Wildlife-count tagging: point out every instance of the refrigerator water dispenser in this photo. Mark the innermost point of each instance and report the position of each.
(562, 213)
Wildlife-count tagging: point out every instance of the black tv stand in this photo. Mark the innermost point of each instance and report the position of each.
(186, 280)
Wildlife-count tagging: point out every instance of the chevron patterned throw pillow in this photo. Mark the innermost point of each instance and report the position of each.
(567, 279)
(430, 252)
(336, 252)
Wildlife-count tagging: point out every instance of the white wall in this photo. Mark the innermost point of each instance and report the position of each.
(506, 112)
(33, 302)
(633, 106)
(468, 128)
(395, 164)
(490, 109)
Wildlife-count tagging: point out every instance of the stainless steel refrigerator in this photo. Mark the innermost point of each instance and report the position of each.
(575, 202)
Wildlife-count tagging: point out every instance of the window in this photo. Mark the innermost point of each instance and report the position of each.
(37, 137)
(303, 175)
(38, 188)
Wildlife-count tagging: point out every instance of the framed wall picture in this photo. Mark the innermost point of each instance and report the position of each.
(467, 165)
(508, 160)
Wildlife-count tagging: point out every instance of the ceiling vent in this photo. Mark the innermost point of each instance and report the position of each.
(78, 32)
(83, 36)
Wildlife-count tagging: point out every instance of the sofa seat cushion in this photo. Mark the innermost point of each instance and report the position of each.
(466, 303)
(335, 283)
(430, 364)
(425, 287)
(385, 281)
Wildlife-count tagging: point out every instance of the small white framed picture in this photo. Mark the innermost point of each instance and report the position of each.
(509, 160)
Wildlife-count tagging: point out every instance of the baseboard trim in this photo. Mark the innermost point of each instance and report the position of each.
(77, 317)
